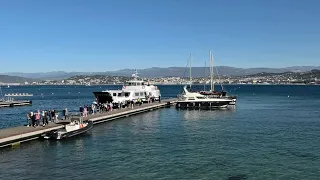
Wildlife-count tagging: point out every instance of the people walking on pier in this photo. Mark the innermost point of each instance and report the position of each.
(93, 107)
(65, 114)
(33, 118)
(81, 110)
(50, 115)
(85, 111)
(29, 119)
(45, 118)
(53, 115)
(38, 118)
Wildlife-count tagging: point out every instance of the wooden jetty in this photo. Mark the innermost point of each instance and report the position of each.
(16, 135)
(15, 103)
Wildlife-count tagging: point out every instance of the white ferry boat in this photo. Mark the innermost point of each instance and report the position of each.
(131, 91)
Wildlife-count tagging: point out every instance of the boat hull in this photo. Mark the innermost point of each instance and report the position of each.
(202, 105)
(56, 135)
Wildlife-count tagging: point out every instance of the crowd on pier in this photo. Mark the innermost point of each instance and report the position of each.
(34, 118)
(47, 116)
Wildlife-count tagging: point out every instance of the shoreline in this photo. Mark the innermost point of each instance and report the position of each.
(161, 85)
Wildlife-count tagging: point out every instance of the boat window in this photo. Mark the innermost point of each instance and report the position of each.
(142, 84)
(200, 98)
(119, 94)
(136, 94)
(141, 93)
(191, 99)
(138, 84)
(114, 94)
(126, 94)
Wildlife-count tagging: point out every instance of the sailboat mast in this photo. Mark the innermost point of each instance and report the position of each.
(190, 59)
(211, 72)
(212, 76)
(204, 76)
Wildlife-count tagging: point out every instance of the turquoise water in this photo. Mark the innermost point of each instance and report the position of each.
(273, 133)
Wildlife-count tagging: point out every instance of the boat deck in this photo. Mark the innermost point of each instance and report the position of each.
(16, 135)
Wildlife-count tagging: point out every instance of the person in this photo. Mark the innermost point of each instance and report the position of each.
(43, 118)
(93, 107)
(66, 114)
(50, 115)
(85, 111)
(53, 115)
(37, 118)
(81, 110)
(159, 99)
(28, 119)
(33, 118)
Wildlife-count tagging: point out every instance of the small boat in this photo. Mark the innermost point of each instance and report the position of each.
(74, 128)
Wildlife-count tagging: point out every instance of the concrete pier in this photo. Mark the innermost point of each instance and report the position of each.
(14, 103)
(17, 135)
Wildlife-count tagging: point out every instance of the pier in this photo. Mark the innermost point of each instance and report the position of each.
(16, 135)
(18, 94)
(14, 103)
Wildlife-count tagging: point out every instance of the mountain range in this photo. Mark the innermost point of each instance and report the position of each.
(163, 72)
(14, 79)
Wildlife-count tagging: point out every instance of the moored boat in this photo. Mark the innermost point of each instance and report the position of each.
(74, 128)
(131, 91)
(196, 100)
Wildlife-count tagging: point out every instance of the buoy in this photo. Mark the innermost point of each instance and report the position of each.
(288, 96)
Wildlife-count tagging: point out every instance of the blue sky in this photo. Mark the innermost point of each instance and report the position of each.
(102, 35)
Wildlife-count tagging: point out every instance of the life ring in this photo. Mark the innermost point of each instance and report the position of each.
(81, 125)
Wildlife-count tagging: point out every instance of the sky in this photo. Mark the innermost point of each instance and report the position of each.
(107, 35)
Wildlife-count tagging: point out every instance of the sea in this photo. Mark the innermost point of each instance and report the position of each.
(272, 133)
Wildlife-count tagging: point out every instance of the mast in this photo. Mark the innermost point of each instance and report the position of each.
(211, 71)
(204, 76)
(190, 60)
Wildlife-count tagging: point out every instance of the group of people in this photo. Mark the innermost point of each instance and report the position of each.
(46, 116)
(87, 109)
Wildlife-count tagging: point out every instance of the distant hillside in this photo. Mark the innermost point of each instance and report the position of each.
(169, 71)
(314, 73)
(14, 79)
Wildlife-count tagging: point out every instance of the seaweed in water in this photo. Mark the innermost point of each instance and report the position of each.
(238, 177)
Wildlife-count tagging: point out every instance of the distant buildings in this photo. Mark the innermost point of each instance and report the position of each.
(312, 77)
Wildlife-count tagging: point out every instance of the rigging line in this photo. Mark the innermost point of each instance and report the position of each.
(185, 69)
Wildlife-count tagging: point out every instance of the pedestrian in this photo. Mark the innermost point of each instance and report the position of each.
(81, 110)
(50, 115)
(93, 107)
(28, 119)
(33, 118)
(53, 115)
(37, 118)
(43, 118)
(66, 115)
(85, 111)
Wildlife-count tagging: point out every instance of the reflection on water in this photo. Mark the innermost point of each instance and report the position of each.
(197, 114)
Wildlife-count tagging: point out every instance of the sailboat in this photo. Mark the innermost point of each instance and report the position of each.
(190, 99)
(216, 94)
